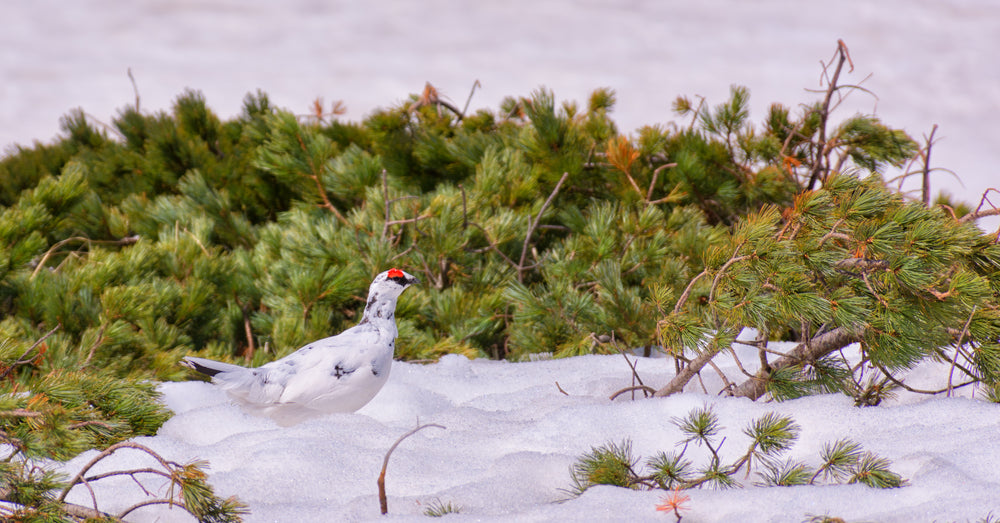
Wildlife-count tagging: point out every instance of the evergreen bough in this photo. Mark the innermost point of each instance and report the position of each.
(771, 435)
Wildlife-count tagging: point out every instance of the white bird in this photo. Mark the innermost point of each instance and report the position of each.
(341, 373)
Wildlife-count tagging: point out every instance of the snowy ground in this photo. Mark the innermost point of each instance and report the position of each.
(511, 437)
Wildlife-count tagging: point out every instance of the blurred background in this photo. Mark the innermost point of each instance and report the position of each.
(924, 62)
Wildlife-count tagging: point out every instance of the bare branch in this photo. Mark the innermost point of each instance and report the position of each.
(926, 186)
(128, 240)
(687, 291)
(134, 88)
(149, 502)
(314, 174)
(650, 391)
(21, 360)
(533, 224)
(469, 99)
(383, 502)
(693, 367)
(958, 344)
(95, 345)
(107, 452)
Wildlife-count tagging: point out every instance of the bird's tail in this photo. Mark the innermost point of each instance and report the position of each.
(209, 367)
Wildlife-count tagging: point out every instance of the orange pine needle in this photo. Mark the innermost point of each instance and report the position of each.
(674, 503)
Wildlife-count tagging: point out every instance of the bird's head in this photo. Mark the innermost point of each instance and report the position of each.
(392, 283)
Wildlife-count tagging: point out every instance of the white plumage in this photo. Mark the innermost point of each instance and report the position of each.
(341, 373)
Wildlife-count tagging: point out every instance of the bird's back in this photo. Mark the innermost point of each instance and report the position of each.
(341, 373)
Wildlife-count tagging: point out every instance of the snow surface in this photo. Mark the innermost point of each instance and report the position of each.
(511, 437)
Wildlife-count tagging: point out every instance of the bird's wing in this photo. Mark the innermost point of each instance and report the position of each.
(210, 367)
(327, 367)
(322, 369)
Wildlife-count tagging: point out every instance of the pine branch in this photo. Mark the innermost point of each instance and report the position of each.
(689, 371)
(198, 501)
(21, 360)
(77, 511)
(430, 96)
(811, 350)
(129, 240)
(314, 174)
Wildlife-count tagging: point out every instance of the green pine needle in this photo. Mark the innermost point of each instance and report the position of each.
(609, 464)
(701, 424)
(839, 459)
(873, 470)
(670, 469)
(772, 433)
(438, 509)
(786, 474)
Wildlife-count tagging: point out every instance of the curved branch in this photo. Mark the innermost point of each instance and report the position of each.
(643, 388)
(107, 452)
(147, 503)
(382, 500)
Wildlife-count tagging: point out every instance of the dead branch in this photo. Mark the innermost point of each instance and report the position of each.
(430, 96)
(383, 502)
(561, 389)
(471, 92)
(96, 344)
(79, 478)
(650, 391)
(533, 224)
(652, 183)
(134, 88)
(980, 212)
(726, 384)
(21, 360)
(687, 291)
(149, 502)
(926, 154)
(684, 375)
(128, 240)
(958, 344)
(821, 146)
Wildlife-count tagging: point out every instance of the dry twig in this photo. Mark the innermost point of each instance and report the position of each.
(382, 500)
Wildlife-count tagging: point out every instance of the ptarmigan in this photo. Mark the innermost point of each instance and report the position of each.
(341, 373)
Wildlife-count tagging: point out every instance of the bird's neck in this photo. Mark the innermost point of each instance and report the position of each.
(380, 313)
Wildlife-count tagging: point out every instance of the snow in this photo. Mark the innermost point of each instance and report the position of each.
(931, 62)
(511, 435)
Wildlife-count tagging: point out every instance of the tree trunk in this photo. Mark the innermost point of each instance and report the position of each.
(756, 386)
(815, 349)
(680, 380)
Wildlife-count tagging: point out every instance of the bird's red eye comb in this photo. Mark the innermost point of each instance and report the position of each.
(395, 273)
